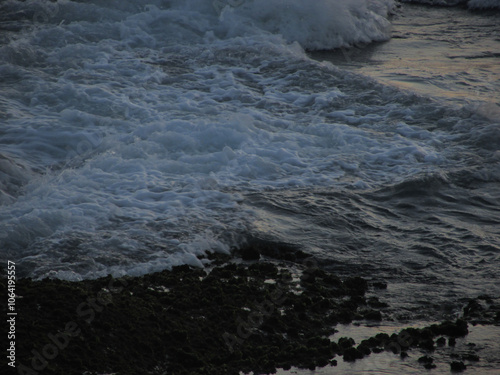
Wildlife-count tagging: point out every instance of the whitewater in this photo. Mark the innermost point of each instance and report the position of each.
(135, 137)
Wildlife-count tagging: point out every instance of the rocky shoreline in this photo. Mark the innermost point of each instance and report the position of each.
(240, 315)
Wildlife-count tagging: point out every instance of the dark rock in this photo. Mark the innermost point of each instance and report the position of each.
(218, 258)
(335, 348)
(371, 342)
(345, 343)
(228, 321)
(250, 253)
(382, 337)
(473, 308)
(332, 280)
(457, 366)
(379, 285)
(393, 346)
(425, 359)
(356, 285)
(470, 357)
(374, 302)
(486, 298)
(482, 310)
(373, 315)
(276, 250)
(364, 349)
(322, 362)
(427, 344)
(441, 341)
(452, 329)
(286, 367)
(263, 269)
(300, 255)
(344, 316)
(351, 354)
(427, 333)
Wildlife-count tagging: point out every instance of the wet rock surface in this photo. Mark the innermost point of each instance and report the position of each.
(252, 316)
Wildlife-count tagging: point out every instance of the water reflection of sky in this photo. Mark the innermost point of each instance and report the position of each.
(450, 54)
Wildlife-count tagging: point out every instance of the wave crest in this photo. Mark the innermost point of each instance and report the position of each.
(323, 24)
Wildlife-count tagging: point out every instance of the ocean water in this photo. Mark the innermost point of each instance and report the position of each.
(135, 137)
(483, 338)
(447, 53)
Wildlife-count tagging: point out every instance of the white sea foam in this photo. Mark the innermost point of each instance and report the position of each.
(323, 24)
(141, 131)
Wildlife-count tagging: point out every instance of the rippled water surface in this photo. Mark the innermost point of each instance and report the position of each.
(134, 138)
(447, 53)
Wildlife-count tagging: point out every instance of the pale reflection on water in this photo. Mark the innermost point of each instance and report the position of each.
(451, 54)
(481, 340)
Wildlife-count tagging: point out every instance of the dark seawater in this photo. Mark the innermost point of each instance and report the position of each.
(138, 137)
(443, 223)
